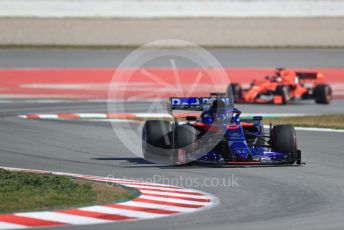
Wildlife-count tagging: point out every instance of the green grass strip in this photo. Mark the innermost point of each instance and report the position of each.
(20, 191)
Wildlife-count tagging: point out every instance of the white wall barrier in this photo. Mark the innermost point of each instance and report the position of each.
(170, 8)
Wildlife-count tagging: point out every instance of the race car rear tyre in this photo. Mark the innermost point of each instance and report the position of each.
(283, 140)
(185, 138)
(157, 143)
(322, 94)
(283, 91)
(234, 90)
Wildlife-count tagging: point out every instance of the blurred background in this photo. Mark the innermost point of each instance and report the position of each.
(215, 23)
(248, 37)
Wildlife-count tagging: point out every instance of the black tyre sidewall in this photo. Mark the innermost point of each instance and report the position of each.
(283, 91)
(234, 90)
(185, 138)
(156, 139)
(283, 140)
(322, 94)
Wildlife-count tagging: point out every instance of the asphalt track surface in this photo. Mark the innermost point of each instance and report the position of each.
(307, 197)
(12, 58)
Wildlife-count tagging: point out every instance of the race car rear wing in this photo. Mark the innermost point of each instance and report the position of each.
(308, 75)
(188, 103)
(197, 103)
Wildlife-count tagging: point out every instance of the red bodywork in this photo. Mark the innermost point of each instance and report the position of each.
(299, 84)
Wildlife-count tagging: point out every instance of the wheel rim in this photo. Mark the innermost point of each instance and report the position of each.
(328, 94)
(144, 141)
(286, 94)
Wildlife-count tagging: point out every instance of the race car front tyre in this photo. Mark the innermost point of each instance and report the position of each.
(157, 143)
(283, 140)
(283, 91)
(322, 94)
(234, 90)
(299, 157)
(185, 138)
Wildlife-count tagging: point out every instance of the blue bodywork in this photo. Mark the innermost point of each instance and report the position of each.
(244, 141)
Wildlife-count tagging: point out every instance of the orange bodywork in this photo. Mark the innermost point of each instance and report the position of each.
(295, 81)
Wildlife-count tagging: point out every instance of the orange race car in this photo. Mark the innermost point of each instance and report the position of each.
(283, 87)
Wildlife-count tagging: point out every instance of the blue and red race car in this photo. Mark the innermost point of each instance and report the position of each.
(218, 137)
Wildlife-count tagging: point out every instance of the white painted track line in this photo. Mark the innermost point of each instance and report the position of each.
(158, 206)
(119, 211)
(4, 225)
(63, 218)
(172, 200)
